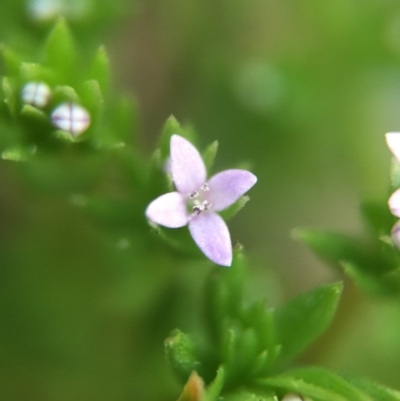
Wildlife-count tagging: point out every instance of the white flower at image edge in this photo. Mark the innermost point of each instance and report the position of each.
(197, 200)
(393, 143)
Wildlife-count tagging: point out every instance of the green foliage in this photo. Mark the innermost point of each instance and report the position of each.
(304, 318)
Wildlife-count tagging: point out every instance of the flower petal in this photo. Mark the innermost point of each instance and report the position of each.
(396, 234)
(211, 235)
(228, 186)
(394, 203)
(393, 143)
(187, 166)
(168, 210)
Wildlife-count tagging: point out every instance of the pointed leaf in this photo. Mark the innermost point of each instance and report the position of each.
(9, 96)
(224, 294)
(100, 70)
(209, 155)
(304, 318)
(214, 389)
(317, 383)
(332, 247)
(375, 390)
(60, 50)
(11, 61)
(232, 210)
(170, 128)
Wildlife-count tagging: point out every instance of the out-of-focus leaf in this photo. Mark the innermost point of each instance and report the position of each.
(209, 155)
(378, 216)
(170, 128)
(332, 247)
(303, 319)
(60, 50)
(318, 384)
(10, 97)
(232, 210)
(100, 70)
(180, 353)
(375, 390)
(224, 294)
(34, 113)
(11, 60)
(214, 389)
(248, 395)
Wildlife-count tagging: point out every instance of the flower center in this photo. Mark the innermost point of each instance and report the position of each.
(198, 201)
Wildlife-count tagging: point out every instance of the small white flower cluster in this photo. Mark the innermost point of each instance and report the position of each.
(69, 117)
(44, 10)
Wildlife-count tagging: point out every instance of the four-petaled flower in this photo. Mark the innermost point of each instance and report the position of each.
(393, 142)
(197, 200)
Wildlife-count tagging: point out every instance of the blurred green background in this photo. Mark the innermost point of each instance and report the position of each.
(300, 91)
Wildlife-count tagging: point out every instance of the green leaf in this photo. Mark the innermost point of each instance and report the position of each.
(11, 60)
(170, 128)
(232, 210)
(375, 390)
(224, 295)
(60, 50)
(332, 247)
(180, 353)
(100, 70)
(316, 383)
(9, 96)
(209, 155)
(304, 318)
(92, 97)
(124, 118)
(214, 389)
(36, 72)
(248, 395)
(64, 93)
(34, 113)
(378, 216)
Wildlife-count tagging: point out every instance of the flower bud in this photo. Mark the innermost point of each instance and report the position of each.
(71, 118)
(36, 93)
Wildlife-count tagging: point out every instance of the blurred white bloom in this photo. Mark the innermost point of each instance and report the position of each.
(393, 143)
(42, 10)
(36, 93)
(71, 117)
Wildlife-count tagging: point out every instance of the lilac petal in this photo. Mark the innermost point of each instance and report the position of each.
(393, 143)
(394, 203)
(187, 166)
(396, 234)
(168, 210)
(228, 186)
(211, 235)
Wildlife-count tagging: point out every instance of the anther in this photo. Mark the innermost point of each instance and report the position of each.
(205, 187)
(206, 205)
(193, 195)
(198, 209)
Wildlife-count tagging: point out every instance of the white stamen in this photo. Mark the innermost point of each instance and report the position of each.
(71, 118)
(205, 187)
(36, 93)
(198, 209)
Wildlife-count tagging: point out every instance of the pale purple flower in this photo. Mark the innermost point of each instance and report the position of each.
(393, 143)
(197, 200)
